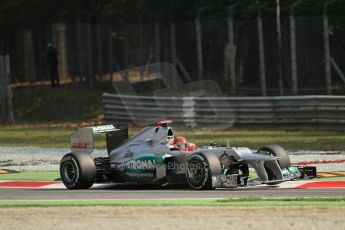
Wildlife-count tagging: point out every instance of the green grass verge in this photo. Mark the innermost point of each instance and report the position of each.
(44, 115)
(291, 140)
(68, 103)
(172, 202)
(33, 176)
(19, 135)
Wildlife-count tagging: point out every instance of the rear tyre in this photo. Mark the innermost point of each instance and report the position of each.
(278, 151)
(200, 168)
(77, 171)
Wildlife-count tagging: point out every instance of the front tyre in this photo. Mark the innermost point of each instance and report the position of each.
(278, 151)
(77, 171)
(200, 168)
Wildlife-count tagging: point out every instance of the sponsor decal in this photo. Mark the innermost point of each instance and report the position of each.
(79, 145)
(136, 165)
(140, 175)
(104, 128)
(228, 181)
(140, 168)
(141, 164)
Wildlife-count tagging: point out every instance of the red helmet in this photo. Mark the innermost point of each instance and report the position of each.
(181, 139)
(182, 144)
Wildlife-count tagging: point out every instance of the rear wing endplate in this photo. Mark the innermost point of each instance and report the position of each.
(83, 140)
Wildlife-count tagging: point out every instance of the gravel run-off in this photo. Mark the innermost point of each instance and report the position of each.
(173, 218)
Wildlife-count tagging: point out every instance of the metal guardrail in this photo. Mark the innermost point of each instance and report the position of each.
(293, 112)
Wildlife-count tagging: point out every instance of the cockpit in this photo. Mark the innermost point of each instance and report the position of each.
(178, 143)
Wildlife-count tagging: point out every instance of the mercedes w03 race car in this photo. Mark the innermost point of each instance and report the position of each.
(155, 156)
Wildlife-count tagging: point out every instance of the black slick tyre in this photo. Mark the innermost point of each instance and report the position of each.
(77, 171)
(200, 168)
(278, 151)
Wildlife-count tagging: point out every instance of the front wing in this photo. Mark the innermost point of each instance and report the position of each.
(290, 173)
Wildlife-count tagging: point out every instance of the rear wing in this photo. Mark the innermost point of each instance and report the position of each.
(83, 140)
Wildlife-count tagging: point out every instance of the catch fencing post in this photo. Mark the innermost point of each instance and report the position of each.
(5, 89)
(173, 42)
(293, 48)
(232, 49)
(89, 51)
(327, 48)
(158, 42)
(199, 44)
(2, 86)
(279, 42)
(9, 90)
(261, 52)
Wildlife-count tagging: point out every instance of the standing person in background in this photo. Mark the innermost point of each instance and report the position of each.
(52, 64)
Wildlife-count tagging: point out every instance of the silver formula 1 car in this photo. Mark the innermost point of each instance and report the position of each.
(155, 156)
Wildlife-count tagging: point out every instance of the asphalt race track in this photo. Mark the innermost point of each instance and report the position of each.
(154, 193)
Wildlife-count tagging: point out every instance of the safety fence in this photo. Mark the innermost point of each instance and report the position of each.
(293, 112)
(239, 53)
